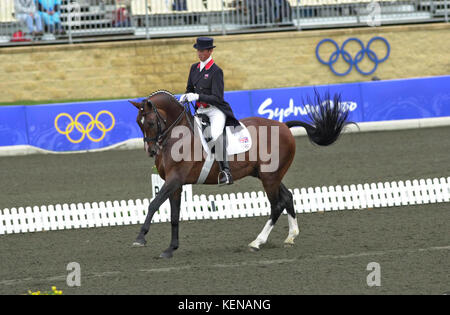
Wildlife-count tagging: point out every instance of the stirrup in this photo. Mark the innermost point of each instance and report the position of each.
(229, 179)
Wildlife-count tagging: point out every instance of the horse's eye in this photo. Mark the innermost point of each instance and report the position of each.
(151, 124)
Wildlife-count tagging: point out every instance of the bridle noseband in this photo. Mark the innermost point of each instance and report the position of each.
(161, 134)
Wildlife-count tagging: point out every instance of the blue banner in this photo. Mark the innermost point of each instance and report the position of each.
(94, 125)
(240, 102)
(13, 127)
(406, 99)
(82, 126)
(293, 103)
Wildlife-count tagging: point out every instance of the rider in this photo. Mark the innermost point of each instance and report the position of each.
(205, 86)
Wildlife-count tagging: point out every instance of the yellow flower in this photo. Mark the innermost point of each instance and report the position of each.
(54, 291)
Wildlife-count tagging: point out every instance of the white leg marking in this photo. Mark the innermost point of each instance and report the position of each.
(293, 230)
(262, 237)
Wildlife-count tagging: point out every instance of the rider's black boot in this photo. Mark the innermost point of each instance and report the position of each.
(225, 177)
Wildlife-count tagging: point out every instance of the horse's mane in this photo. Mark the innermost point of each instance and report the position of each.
(169, 94)
(175, 100)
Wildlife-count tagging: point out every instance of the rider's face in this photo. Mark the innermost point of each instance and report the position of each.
(204, 54)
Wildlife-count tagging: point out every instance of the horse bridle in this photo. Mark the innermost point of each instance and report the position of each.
(160, 134)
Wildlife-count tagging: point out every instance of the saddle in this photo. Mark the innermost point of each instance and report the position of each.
(238, 139)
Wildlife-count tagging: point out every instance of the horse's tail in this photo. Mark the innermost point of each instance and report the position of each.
(328, 118)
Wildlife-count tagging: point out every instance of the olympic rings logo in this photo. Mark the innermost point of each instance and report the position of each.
(85, 130)
(358, 57)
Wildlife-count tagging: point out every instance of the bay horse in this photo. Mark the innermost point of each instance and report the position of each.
(159, 113)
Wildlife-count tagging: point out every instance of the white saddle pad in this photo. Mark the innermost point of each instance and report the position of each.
(238, 138)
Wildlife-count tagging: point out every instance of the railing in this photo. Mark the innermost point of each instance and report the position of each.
(226, 206)
(84, 20)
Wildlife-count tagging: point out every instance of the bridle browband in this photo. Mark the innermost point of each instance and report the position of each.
(161, 134)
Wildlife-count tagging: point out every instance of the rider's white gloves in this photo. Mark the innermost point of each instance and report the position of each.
(190, 97)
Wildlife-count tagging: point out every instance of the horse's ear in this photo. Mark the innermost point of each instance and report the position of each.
(136, 104)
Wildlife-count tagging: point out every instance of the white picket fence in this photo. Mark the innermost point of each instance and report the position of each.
(306, 200)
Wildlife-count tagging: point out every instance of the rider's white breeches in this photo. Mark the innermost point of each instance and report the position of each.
(216, 118)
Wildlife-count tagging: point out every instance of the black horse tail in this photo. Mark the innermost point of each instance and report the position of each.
(328, 118)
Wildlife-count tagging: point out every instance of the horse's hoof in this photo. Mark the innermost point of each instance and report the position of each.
(139, 243)
(289, 242)
(166, 255)
(253, 246)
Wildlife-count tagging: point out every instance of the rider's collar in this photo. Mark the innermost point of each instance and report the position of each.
(207, 64)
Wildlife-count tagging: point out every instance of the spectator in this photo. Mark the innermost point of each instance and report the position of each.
(268, 11)
(50, 11)
(26, 12)
(283, 11)
(121, 17)
(253, 9)
(179, 5)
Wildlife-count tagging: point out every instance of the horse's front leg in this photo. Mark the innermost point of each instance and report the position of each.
(167, 189)
(175, 201)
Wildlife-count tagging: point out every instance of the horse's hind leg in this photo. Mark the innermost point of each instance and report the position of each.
(287, 201)
(273, 193)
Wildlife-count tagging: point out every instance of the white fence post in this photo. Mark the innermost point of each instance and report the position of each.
(2, 224)
(8, 224)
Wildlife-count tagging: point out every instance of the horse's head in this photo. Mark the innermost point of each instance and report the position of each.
(151, 123)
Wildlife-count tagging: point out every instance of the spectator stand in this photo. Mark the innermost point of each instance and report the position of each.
(8, 23)
(178, 17)
(94, 20)
(439, 9)
(345, 13)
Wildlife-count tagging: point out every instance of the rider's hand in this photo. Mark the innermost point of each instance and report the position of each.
(191, 97)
